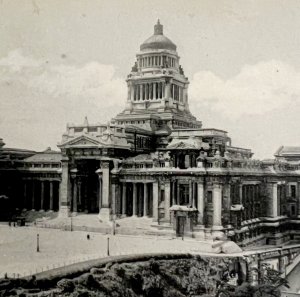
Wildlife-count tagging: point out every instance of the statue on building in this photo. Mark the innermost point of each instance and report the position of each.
(134, 67)
(181, 70)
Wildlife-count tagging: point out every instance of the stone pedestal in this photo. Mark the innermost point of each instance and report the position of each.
(63, 211)
(104, 214)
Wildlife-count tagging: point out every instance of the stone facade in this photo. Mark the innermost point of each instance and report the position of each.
(154, 159)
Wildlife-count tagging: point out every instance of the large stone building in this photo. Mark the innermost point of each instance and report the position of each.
(155, 160)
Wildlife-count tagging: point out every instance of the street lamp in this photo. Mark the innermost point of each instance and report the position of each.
(108, 246)
(38, 243)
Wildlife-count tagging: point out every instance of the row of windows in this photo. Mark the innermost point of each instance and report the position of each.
(130, 122)
(42, 165)
(151, 61)
(142, 142)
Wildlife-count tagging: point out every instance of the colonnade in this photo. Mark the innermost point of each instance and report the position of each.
(156, 90)
(40, 194)
(154, 61)
(148, 91)
(136, 199)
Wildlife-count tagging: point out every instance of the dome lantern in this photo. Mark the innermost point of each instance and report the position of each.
(158, 29)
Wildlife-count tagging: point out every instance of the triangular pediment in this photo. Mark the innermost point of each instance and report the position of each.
(82, 141)
(181, 145)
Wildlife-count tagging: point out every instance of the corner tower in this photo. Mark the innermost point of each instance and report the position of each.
(157, 86)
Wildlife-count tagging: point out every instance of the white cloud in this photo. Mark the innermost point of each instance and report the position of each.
(45, 97)
(257, 89)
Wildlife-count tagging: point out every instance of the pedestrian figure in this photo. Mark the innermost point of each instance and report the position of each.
(88, 237)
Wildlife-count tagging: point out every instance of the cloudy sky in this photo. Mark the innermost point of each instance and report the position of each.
(61, 60)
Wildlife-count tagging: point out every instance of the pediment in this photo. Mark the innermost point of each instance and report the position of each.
(181, 145)
(82, 141)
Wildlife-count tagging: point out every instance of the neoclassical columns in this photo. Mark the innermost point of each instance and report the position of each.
(134, 200)
(75, 196)
(51, 195)
(42, 195)
(113, 199)
(145, 212)
(274, 199)
(155, 201)
(124, 199)
(33, 196)
(25, 195)
(167, 200)
(190, 192)
(64, 189)
(104, 207)
(200, 202)
(217, 205)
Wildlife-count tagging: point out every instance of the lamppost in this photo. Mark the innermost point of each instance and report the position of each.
(71, 227)
(38, 243)
(107, 246)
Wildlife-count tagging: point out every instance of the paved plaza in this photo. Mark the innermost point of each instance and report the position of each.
(18, 247)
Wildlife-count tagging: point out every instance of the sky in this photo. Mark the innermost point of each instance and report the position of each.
(62, 60)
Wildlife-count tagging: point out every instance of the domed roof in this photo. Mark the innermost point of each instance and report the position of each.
(158, 40)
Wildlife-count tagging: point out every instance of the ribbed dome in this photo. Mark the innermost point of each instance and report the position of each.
(158, 40)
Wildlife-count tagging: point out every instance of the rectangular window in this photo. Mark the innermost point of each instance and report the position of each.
(293, 191)
(209, 196)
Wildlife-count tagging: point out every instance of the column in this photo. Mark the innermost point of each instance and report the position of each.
(241, 193)
(140, 200)
(150, 91)
(25, 195)
(145, 200)
(274, 200)
(155, 201)
(134, 208)
(167, 90)
(147, 92)
(79, 200)
(173, 91)
(174, 193)
(124, 200)
(131, 92)
(75, 194)
(217, 205)
(51, 195)
(154, 90)
(200, 202)
(141, 92)
(167, 201)
(64, 189)
(113, 199)
(33, 196)
(190, 192)
(42, 195)
(178, 193)
(104, 213)
(85, 193)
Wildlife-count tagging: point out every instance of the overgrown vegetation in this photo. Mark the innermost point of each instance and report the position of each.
(194, 276)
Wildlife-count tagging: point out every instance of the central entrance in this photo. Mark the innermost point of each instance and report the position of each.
(85, 189)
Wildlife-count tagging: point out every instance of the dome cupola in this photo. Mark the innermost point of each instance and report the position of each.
(158, 41)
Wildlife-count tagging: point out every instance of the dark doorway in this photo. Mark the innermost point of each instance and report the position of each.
(180, 221)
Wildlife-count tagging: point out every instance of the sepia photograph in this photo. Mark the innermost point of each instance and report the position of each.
(150, 148)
